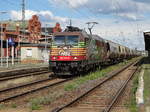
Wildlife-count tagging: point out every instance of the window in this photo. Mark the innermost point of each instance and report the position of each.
(59, 40)
(72, 40)
(29, 52)
(119, 49)
(66, 40)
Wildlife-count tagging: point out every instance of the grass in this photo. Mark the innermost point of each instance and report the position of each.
(37, 103)
(147, 85)
(93, 75)
(14, 105)
(132, 102)
(2, 106)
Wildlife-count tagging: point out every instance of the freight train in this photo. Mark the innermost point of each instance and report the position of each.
(74, 51)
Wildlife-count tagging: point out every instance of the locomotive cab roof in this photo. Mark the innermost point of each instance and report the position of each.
(72, 29)
(96, 37)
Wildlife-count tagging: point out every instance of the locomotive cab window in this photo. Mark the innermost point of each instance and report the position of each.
(72, 40)
(59, 40)
(66, 40)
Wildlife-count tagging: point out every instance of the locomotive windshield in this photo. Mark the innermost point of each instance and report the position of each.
(66, 40)
(59, 40)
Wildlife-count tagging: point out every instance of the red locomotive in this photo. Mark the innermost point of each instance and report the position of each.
(74, 51)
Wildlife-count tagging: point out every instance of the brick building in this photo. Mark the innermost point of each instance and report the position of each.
(32, 34)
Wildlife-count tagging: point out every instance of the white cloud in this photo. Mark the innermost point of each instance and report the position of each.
(132, 19)
(127, 9)
(108, 28)
(130, 16)
(144, 1)
(17, 15)
(46, 16)
(126, 33)
(70, 3)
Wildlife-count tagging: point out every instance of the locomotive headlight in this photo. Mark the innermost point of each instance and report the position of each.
(54, 57)
(75, 58)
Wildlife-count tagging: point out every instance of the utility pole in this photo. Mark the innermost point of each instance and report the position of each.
(23, 16)
(23, 29)
(90, 26)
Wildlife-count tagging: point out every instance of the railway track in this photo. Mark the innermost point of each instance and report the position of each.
(22, 71)
(24, 89)
(23, 75)
(102, 97)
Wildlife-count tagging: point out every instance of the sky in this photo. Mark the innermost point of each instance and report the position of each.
(122, 21)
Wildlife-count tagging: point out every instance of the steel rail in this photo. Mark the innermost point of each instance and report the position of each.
(58, 109)
(24, 85)
(24, 75)
(120, 91)
(8, 73)
(33, 90)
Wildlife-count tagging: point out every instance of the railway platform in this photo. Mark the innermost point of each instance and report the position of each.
(19, 67)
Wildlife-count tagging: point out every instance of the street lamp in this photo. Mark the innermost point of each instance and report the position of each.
(2, 12)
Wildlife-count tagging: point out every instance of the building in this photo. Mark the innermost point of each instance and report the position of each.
(20, 39)
(32, 33)
(35, 53)
(147, 41)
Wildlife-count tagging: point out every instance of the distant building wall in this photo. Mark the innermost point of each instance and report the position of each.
(147, 42)
(34, 54)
